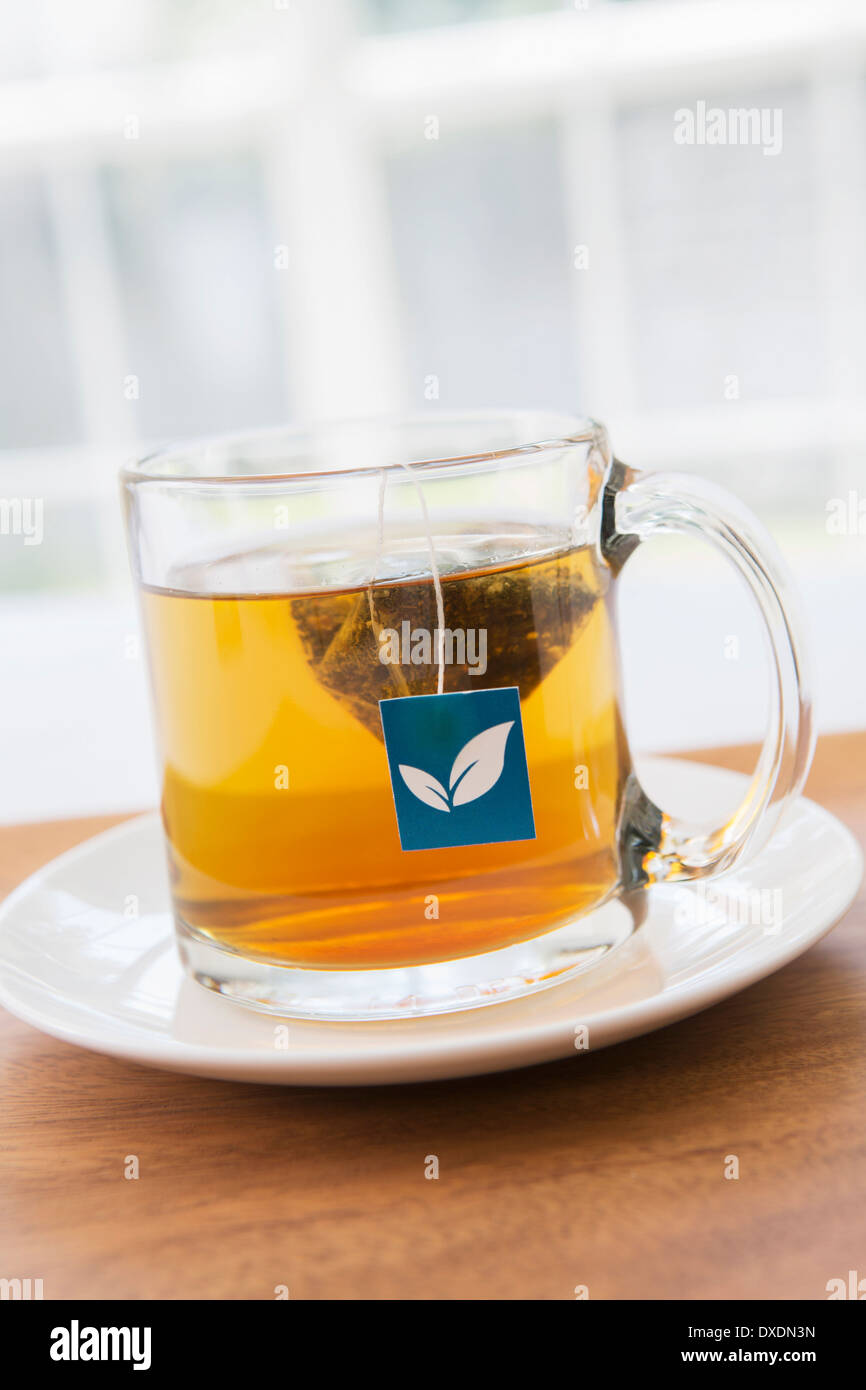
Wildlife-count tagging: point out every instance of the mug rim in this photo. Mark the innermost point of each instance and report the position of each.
(566, 430)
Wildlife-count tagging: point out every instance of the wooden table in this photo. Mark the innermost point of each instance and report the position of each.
(609, 1173)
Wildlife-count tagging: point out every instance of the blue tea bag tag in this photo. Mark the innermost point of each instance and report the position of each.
(458, 768)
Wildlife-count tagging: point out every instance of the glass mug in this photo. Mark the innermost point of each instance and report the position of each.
(386, 687)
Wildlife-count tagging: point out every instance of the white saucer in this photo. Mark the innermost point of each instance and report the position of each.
(77, 963)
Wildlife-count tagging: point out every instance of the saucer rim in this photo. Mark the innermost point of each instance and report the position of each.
(424, 1056)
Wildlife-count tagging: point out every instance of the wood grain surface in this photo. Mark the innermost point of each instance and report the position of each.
(607, 1171)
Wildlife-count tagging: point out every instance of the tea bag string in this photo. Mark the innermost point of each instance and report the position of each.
(434, 568)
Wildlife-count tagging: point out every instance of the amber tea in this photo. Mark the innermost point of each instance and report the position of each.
(395, 780)
(277, 801)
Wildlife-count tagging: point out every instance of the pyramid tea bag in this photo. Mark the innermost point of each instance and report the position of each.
(503, 627)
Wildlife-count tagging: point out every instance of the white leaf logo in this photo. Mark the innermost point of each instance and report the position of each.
(478, 766)
(425, 787)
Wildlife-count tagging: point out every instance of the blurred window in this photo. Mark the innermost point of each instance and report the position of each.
(217, 216)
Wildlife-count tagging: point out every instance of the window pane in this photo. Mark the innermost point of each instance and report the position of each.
(38, 404)
(483, 267)
(720, 256)
(195, 264)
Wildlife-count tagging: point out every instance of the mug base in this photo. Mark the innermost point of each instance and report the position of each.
(410, 991)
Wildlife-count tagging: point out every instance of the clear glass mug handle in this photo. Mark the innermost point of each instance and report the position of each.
(657, 847)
